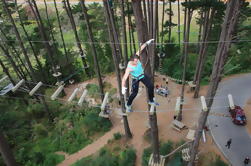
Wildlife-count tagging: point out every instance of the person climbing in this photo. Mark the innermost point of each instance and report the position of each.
(246, 161)
(135, 69)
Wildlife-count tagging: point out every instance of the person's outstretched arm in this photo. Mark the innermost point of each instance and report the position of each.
(125, 77)
(143, 46)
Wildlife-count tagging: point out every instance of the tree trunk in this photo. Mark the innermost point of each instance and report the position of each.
(202, 54)
(184, 32)
(16, 69)
(125, 43)
(132, 34)
(73, 25)
(200, 29)
(115, 34)
(60, 29)
(117, 71)
(42, 31)
(20, 41)
(170, 22)
(94, 52)
(6, 152)
(145, 12)
(186, 45)
(129, 26)
(6, 71)
(162, 22)
(231, 17)
(30, 43)
(142, 34)
(179, 22)
(50, 26)
(17, 55)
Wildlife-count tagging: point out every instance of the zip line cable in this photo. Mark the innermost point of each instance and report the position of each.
(106, 42)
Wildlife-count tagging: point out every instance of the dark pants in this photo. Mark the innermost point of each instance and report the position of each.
(135, 88)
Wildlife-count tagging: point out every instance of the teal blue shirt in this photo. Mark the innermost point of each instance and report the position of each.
(137, 71)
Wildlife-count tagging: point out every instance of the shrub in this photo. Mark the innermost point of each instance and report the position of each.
(176, 160)
(94, 123)
(40, 130)
(53, 159)
(127, 157)
(117, 136)
(219, 162)
(146, 156)
(166, 148)
(93, 90)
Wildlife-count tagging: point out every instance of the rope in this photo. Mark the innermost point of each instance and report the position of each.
(106, 42)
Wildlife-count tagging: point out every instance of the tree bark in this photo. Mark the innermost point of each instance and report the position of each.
(17, 55)
(179, 22)
(6, 152)
(231, 17)
(162, 21)
(129, 27)
(186, 45)
(125, 43)
(170, 22)
(35, 11)
(60, 29)
(49, 23)
(117, 71)
(30, 43)
(94, 52)
(16, 69)
(81, 51)
(142, 34)
(203, 48)
(20, 41)
(6, 71)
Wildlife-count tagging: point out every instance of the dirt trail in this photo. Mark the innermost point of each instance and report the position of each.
(138, 121)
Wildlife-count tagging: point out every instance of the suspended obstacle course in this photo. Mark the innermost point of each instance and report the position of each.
(73, 95)
(35, 88)
(104, 112)
(18, 85)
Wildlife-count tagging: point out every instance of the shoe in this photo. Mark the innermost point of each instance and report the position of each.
(128, 108)
(153, 103)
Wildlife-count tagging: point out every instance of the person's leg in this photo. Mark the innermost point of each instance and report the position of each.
(147, 82)
(134, 90)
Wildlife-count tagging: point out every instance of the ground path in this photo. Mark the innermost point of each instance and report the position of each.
(222, 128)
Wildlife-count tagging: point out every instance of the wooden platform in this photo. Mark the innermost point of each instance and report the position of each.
(151, 162)
(177, 125)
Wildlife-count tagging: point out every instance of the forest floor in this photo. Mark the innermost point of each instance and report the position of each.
(138, 120)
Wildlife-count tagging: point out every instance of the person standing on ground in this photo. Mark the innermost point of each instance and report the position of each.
(246, 161)
(229, 142)
(135, 69)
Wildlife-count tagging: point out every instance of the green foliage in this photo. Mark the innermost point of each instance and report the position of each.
(93, 90)
(117, 136)
(146, 156)
(39, 130)
(34, 140)
(126, 157)
(99, 30)
(176, 160)
(94, 123)
(166, 148)
(53, 159)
